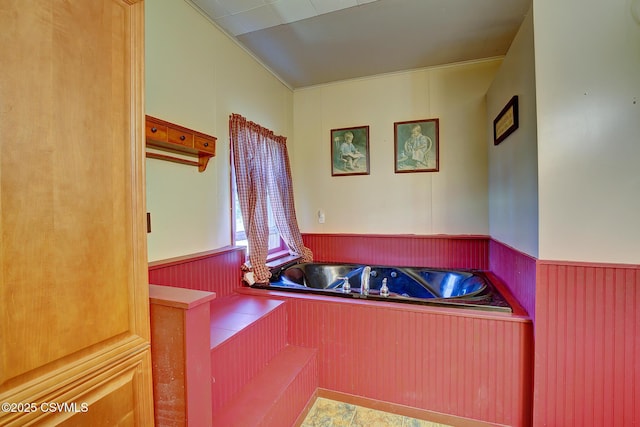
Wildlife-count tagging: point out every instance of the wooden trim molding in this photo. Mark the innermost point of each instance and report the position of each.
(153, 265)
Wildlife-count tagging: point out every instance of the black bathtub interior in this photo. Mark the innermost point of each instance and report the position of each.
(414, 285)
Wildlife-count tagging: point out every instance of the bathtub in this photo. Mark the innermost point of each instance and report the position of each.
(412, 285)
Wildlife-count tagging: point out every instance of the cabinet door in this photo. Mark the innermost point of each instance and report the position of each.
(74, 316)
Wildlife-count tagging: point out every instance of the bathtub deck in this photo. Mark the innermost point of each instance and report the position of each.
(268, 356)
(472, 350)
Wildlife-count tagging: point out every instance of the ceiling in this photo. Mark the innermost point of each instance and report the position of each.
(311, 42)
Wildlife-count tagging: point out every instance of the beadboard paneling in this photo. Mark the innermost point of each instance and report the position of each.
(464, 252)
(587, 369)
(518, 272)
(470, 365)
(295, 398)
(236, 361)
(216, 271)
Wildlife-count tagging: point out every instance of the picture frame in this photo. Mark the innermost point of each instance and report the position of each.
(506, 122)
(417, 146)
(350, 151)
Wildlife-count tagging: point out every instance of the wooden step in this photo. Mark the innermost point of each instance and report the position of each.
(231, 315)
(246, 333)
(276, 395)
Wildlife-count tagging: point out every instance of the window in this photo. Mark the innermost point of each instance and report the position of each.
(260, 167)
(276, 244)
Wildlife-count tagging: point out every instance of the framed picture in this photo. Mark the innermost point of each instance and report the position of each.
(350, 151)
(506, 122)
(416, 146)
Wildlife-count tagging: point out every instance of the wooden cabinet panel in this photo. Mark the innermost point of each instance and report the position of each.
(73, 273)
(107, 398)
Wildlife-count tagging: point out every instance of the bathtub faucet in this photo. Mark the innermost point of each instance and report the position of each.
(364, 280)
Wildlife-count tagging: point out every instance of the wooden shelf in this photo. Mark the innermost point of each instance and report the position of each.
(162, 135)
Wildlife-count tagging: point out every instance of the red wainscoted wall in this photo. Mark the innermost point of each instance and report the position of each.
(587, 332)
(465, 363)
(587, 346)
(518, 272)
(443, 251)
(214, 271)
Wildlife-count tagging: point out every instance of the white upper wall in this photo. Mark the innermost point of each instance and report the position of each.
(588, 107)
(513, 164)
(196, 77)
(451, 201)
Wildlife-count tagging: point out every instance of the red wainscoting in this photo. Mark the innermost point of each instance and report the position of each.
(214, 271)
(464, 252)
(242, 356)
(518, 272)
(464, 363)
(587, 333)
(587, 354)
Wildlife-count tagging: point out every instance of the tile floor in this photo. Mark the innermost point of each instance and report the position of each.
(331, 413)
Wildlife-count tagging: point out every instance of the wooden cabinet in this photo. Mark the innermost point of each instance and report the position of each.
(74, 308)
(177, 139)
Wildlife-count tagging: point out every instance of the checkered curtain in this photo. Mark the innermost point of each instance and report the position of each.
(261, 165)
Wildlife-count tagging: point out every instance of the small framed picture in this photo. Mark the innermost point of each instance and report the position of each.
(506, 122)
(350, 151)
(416, 146)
